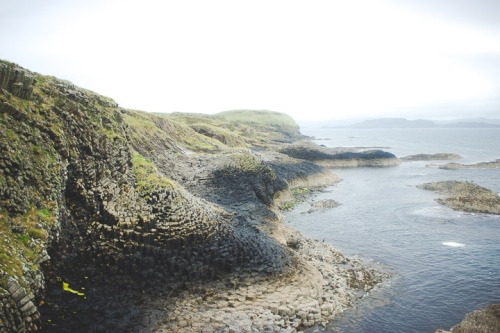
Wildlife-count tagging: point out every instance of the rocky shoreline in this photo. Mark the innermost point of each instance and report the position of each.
(120, 220)
(323, 284)
(465, 196)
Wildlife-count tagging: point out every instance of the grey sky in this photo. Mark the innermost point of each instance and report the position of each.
(319, 59)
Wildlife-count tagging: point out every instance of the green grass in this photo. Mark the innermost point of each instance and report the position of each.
(24, 245)
(257, 116)
(239, 128)
(45, 214)
(299, 195)
(36, 150)
(147, 175)
(171, 131)
(247, 162)
(10, 135)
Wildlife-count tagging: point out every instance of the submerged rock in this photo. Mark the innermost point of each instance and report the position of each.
(322, 204)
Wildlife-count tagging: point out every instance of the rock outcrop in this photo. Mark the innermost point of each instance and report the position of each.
(465, 196)
(323, 204)
(453, 166)
(431, 157)
(16, 81)
(484, 320)
(110, 219)
(330, 158)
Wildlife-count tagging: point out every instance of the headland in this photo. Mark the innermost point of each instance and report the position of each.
(121, 220)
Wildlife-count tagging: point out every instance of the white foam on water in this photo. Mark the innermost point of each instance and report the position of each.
(453, 244)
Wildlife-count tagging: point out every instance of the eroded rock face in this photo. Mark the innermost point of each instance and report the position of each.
(466, 196)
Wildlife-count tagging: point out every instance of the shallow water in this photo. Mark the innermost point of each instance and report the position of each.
(446, 263)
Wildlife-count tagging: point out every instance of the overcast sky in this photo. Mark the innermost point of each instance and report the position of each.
(311, 59)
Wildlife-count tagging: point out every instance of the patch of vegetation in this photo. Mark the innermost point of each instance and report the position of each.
(112, 135)
(263, 120)
(36, 150)
(147, 175)
(10, 134)
(247, 162)
(219, 133)
(240, 127)
(263, 117)
(299, 195)
(21, 241)
(151, 130)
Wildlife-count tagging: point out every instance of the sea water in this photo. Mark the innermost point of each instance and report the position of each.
(445, 263)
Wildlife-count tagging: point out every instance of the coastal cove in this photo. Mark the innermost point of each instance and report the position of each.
(445, 262)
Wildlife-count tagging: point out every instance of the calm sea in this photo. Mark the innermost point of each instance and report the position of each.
(445, 263)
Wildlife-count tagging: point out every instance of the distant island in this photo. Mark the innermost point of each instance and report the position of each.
(394, 123)
(406, 123)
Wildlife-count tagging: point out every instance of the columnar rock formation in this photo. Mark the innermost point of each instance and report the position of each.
(17, 81)
(104, 208)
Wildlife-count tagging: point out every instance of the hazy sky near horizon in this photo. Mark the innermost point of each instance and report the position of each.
(314, 60)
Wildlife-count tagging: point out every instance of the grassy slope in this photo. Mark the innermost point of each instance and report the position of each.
(240, 128)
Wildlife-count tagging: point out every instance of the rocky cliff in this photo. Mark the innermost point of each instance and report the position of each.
(107, 214)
